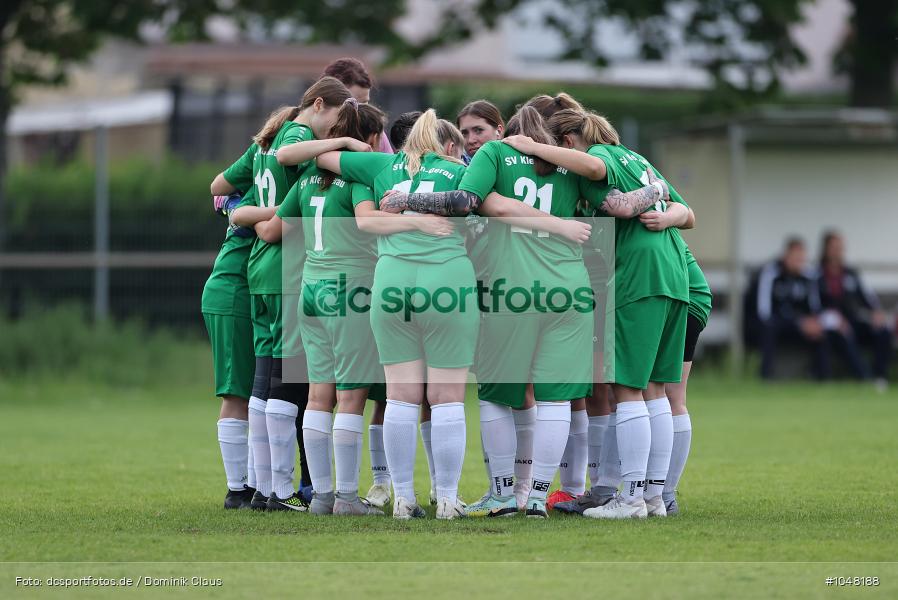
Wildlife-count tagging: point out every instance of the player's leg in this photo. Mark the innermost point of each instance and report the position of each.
(405, 391)
(426, 441)
(502, 386)
(258, 429)
(287, 398)
(598, 408)
(682, 423)
(449, 331)
(668, 368)
(348, 427)
(231, 339)
(379, 493)
(399, 348)
(317, 433)
(355, 366)
(524, 424)
(446, 395)
(563, 353)
(639, 328)
(572, 469)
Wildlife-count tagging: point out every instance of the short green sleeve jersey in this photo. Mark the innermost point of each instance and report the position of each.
(519, 254)
(333, 243)
(240, 174)
(383, 172)
(226, 291)
(272, 184)
(647, 263)
(700, 297)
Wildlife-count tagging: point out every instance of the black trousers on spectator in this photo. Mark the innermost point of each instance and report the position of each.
(880, 341)
(776, 331)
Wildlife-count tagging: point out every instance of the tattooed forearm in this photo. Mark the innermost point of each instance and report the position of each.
(456, 203)
(626, 205)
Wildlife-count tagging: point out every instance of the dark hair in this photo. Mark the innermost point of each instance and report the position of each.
(549, 105)
(484, 109)
(527, 121)
(328, 89)
(350, 71)
(828, 236)
(357, 121)
(401, 128)
(793, 242)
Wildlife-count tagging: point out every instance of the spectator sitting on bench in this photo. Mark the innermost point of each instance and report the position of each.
(851, 312)
(788, 309)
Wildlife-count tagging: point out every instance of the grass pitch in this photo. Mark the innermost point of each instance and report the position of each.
(787, 485)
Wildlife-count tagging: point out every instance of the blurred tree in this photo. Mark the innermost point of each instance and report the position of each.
(742, 44)
(40, 39)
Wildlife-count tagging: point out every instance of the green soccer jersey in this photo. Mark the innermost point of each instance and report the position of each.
(272, 183)
(524, 257)
(647, 263)
(333, 243)
(383, 172)
(699, 291)
(226, 291)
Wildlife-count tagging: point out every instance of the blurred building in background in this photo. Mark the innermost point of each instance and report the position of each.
(752, 178)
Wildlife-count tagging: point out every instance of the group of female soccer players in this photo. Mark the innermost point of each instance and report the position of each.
(477, 246)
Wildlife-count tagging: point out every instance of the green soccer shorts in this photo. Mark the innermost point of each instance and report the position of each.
(650, 334)
(336, 333)
(275, 325)
(232, 354)
(553, 350)
(425, 311)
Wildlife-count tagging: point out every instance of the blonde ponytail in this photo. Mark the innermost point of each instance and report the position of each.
(593, 128)
(274, 123)
(598, 130)
(424, 138)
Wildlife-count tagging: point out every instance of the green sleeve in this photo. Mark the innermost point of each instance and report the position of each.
(594, 193)
(612, 167)
(360, 193)
(290, 207)
(363, 167)
(295, 135)
(240, 174)
(480, 176)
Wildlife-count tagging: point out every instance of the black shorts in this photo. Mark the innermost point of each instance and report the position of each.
(693, 329)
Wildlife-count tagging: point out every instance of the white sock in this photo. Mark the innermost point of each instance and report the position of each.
(682, 439)
(426, 437)
(524, 426)
(261, 450)
(572, 470)
(553, 421)
(348, 451)
(609, 460)
(661, 425)
(634, 441)
(380, 472)
(486, 460)
(400, 445)
(597, 427)
(449, 444)
(250, 466)
(280, 417)
(232, 439)
(317, 434)
(499, 445)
